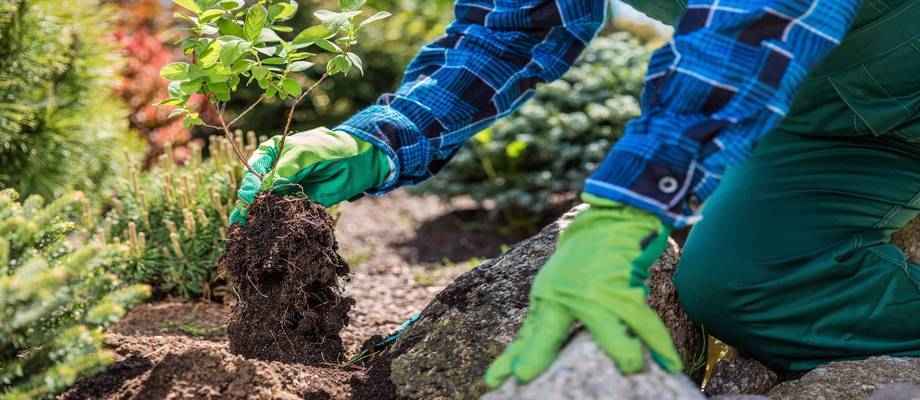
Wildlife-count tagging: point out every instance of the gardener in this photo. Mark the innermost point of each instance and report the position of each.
(792, 263)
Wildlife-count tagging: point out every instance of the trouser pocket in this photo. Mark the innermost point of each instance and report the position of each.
(883, 95)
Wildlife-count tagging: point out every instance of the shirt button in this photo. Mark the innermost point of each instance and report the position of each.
(667, 184)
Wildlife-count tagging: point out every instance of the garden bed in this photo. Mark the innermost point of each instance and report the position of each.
(402, 251)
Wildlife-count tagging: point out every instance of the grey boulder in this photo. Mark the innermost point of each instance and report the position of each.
(583, 371)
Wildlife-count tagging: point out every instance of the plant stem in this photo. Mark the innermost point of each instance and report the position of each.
(236, 149)
(290, 118)
(246, 111)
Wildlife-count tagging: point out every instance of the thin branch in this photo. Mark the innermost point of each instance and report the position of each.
(246, 111)
(236, 149)
(290, 118)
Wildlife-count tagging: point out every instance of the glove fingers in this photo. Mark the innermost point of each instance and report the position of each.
(550, 326)
(654, 334)
(613, 336)
(500, 369)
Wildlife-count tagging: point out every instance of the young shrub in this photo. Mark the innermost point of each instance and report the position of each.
(174, 219)
(55, 295)
(386, 48)
(542, 153)
(57, 68)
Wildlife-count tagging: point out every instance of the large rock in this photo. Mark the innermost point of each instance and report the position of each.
(583, 371)
(447, 351)
(851, 380)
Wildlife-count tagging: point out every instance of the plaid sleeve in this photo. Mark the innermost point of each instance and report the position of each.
(485, 67)
(728, 76)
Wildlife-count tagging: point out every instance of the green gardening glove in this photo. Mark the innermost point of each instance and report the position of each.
(328, 166)
(597, 276)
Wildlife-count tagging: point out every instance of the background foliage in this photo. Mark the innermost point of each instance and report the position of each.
(174, 219)
(55, 294)
(544, 151)
(58, 122)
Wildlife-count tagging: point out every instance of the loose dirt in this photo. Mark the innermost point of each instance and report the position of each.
(285, 269)
(180, 350)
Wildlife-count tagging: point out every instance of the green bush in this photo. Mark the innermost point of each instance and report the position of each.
(55, 295)
(544, 151)
(59, 122)
(174, 219)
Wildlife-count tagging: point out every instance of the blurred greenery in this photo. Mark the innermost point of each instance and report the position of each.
(59, 122)
(540, 155)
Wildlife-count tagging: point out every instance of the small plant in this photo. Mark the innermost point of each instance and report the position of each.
(232, 45)
(56, 295)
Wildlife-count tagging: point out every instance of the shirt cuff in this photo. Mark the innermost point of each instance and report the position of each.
(665, 190)
(391, 132)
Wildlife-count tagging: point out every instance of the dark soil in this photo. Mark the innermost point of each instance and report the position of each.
(284, 266)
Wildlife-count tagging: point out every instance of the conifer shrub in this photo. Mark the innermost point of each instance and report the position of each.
(58, 120)
(56, 295)
(174, 218)
(542, 153)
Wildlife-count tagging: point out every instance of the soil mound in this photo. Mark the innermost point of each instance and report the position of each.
(176, 367)
(285, 268)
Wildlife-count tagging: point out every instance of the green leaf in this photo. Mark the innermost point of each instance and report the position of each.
(175, 71)
(268, 36)
(312, 34)
(211, 55)
(273, 61)
(232, 50)
(210, 16)
(299, 66)
(190, 5)
(256, 19)
(231, 5)
(268, 51)
(376, 17)
(351, 5)
(191, 87)
(283, 11)
(221, 90)
(230, 28)
(281, 28)
(291, 87)
(335, 20)
(242, 66)
(338, 64)
(259, 72)
(356, 62)
(328, 46)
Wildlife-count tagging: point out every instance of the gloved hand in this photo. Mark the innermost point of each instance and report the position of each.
(328, 166)
(597, 276)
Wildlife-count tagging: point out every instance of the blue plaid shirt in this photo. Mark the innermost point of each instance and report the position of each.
(728, 76)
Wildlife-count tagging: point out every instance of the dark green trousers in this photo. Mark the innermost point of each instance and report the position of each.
(792, 262)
